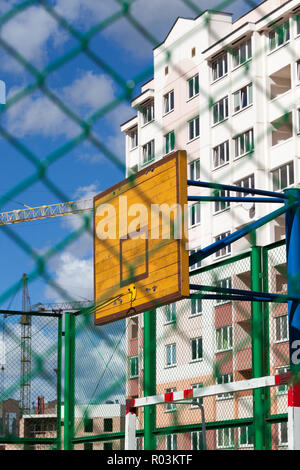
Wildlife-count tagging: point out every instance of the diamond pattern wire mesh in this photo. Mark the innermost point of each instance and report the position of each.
(116, 378)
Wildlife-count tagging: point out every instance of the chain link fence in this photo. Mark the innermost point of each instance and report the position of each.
(214, 337)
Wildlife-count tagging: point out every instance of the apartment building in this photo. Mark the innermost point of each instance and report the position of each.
(104, 418)
(229, 94)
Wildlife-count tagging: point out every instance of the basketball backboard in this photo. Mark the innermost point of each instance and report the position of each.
(140, 256)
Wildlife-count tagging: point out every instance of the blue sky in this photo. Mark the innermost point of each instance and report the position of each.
(40, 126)
(36, 123)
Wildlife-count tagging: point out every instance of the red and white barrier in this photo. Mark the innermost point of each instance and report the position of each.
(294, 417)
(193, 393)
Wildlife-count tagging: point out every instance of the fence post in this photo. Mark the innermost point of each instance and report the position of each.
(292, 226)
(149, 378)
(257, 334)
(58, 383)
(69, 386)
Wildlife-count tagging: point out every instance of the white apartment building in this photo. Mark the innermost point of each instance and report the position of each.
(229, 94)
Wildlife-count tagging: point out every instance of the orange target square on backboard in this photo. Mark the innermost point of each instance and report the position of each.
(140, 255)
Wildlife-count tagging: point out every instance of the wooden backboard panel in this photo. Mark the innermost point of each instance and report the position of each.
(139, 260)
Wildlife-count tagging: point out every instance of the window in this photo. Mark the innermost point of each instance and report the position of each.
(247, 182)
(221, 154)
(224, 338)
(298, 121)
(166, 70)
(133, 139)
(169, 142)
(282, 129)
(224, 284)
(200, 399)
(298, 71)
(193, 52)
(170, 406)
(193, 86)
(219, 66)
(196, 345)
(225, 438)
(298, 24)
(194, 168)
(171, 442)
(133, 367)
(244, 143)
(225, 379)
(283, 434)
(222, 205)
(279, 35)
(88, 425)
(242, 53)
(194, 214)
(198, 264)
(196, 440)
(220, 110)
(108, 446)
(108, 425)
(148, 152)
(170, 313)
(245, 436)
(282, 389)
(194, 128)
(196, 307)
(283, 176)
(169, 102)
(171, 355)
(134, 327)
(281, 328)
(242, 98)
(226, 249)
(148, 112)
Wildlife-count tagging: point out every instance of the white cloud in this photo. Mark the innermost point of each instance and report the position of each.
(29, 32)
(36, 114)
(74, 275)
(73, 269)
(91, 91)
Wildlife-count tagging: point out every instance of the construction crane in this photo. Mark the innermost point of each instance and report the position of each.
(25, 388)
(26, 215)
(46, 211)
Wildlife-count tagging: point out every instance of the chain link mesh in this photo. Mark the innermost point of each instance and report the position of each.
(217, 342)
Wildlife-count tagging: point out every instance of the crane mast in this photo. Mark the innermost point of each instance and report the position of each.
(25, 388)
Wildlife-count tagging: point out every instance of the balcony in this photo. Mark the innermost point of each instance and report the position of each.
(280, 82)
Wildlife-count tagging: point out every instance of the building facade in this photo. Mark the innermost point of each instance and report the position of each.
(229, 94)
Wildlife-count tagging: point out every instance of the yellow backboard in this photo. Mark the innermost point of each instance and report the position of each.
(140, 255)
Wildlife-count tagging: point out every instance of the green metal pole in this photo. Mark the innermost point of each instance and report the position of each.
(257, 334)
(266, 312)
(69, 387)
(58, 384)
(149, 378)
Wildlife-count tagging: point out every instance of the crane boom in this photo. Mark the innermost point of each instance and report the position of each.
(46, 211)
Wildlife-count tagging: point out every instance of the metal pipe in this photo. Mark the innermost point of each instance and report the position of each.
(69, 385)
(235, 199)
(149, 378)
(210, 249)
(239, 189)
(257, 323)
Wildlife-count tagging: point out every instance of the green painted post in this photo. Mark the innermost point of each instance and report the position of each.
(58, 384)
(69, 387)
(257, 334)
(149, 378)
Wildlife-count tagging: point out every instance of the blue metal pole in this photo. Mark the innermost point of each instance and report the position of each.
(235, 199)
(239, 189)
(210, 249)
(292, 222)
